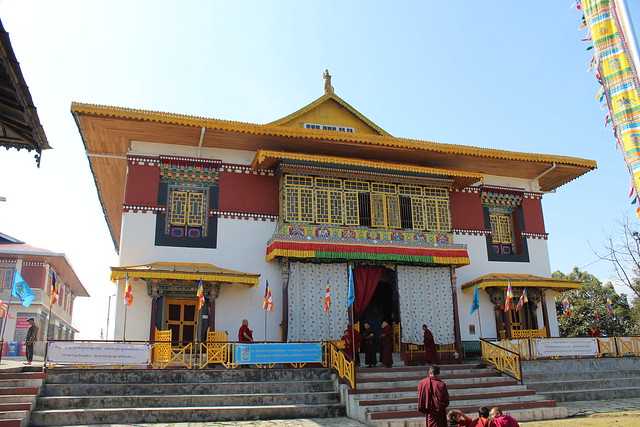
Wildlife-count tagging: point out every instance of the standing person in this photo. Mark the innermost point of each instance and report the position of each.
(430, 351)
(433, 399)
(386, 345)
(32, 336)
(351, 344)
(464, 421)
(501, 420)
(368, 345)
(245, 334)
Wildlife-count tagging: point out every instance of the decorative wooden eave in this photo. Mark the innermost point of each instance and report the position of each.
(20, 126)
(503, 280)
(266, 159)
(184, 271)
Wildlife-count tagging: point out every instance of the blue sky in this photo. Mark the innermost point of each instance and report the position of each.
(492, 73)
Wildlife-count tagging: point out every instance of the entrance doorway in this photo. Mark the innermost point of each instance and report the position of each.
(525, 318)
(181, 319)
(384, 304)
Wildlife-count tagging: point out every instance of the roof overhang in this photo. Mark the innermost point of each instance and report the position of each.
(267, 159)
(107, 133)
(184, 271)
(500, 280)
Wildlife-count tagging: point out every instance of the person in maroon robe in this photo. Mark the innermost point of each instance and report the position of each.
(498, 419)
(433, 399)
(386, 345)
(430, 352)
(351, 341)
(245, 334)
(369, 346)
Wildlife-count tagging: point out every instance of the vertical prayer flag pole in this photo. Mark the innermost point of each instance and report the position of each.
(267, 305)
(128, 300)
(53, 295)
(351, 296)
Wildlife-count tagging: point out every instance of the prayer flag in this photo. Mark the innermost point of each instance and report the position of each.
(128, 292)
(351, 294)
(566, 307)
(21, 290)
(327, 300)
(267, 302)
(508, 299)
(54, 289)
(475, 306)
(609, 307)
(200, 296)
(4, 309)
(523, 300)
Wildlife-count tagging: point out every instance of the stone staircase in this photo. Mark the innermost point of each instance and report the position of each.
(584, 379)
(388, 397)
(18, 391)
(105, 396)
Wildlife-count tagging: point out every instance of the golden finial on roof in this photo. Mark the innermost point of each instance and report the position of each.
(328, 89)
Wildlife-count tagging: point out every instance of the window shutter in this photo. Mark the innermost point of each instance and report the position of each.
(378, 210)
(393, 211)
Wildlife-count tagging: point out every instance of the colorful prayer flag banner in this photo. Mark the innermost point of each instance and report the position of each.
(475, 306)
(200, 296)
(523, 300)
(609, 307)
(326, 306)
(21, 290)
(508, 299)
(618, 77)
(566, 307)
(351, 293)
(267, 302)
(53, 299)
(128, 292)
(4, 309)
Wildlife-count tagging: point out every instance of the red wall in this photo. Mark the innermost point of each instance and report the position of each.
(35, 276)
(533, 219)
(466, 211)
(142, 185)
(248, 193)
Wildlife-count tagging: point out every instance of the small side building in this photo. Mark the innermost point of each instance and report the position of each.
(36, 266)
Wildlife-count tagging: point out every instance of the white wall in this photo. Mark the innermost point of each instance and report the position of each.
(226, 155)
(477, 247)
(241, 246)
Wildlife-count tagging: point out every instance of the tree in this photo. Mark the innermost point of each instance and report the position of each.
(588, 307)
(623, 252)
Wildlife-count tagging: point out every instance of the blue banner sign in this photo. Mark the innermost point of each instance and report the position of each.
(251, 354)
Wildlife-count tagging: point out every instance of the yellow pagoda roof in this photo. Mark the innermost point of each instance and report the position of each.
(184, 271)
(502, 280)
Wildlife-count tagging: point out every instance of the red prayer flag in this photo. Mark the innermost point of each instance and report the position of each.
(267, 302)
(508, 299)
(523, 300)
(200, 296)
(327, 300)
(128, 292)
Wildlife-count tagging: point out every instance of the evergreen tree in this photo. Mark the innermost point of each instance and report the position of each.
(588, 308)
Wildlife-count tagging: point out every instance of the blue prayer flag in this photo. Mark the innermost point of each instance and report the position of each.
(351, 294)
(475, 306)
(21, 290)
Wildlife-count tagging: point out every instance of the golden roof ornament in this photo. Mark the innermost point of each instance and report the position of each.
(328, 89)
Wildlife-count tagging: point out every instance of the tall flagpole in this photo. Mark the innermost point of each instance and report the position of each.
(46, 348)
(265, 324)
(126, 306)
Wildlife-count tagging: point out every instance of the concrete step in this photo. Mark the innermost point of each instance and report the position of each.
(396, 373)
(587, 384)
(16, 422)
(520, 395)
(182, 414)
(13, 406)
(18, 390)
(21, 375)
(155, 401)
(19, 398)
(533, 414)
(422, 368)
(413, 387)
(405, 414)
(158, 376)
(587, 375)
(20, 383)
(185, 388)
(466, 380)
(14, 415)
(392, 376)
(595, 394)
(452, 392)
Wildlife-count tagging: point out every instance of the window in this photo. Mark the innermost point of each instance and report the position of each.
(329, 127)
(6, 278)
(501, 230)
(187, 212)
(503, 216)
(326, 200)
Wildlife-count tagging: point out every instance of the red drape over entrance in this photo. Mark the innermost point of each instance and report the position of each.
(367, 279)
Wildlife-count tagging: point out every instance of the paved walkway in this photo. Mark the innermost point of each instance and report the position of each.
(313, 422)
(16, 362)
(589, 407)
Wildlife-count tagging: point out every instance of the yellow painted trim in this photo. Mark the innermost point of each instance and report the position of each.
(263, 155)
(324, 98)
(207, 277)
(524, 284)
(279, 131)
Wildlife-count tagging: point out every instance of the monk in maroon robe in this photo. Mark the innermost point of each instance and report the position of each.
(244, 333)
(368, 345)
(351, 344)
(386, 345)
(430, 352)
(498, 419)
(433, 399)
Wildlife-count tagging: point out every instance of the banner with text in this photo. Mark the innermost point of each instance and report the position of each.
(565, 347)
(250, 354)
(107, 353)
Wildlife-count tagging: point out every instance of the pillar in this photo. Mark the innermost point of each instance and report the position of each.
(284, 325)
(214, 292)
(154, 291)
(456, 318)
(545, 313)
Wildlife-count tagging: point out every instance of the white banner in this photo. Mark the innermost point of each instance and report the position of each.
(94, 353)
(565, 347)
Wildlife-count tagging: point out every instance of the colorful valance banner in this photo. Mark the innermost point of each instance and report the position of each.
(616, 73)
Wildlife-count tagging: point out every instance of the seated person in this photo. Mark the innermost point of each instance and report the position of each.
(464, 421)
(498, 419)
